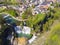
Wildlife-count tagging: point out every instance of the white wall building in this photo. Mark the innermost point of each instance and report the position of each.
(41, 1)
(26, 30)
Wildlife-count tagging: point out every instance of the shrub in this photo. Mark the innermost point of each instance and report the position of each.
(47, 25)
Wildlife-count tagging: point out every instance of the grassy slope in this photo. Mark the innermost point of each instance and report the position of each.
(54, 37)
(50, 37)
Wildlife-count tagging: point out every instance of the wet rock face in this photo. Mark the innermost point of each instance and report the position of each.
(20, 41)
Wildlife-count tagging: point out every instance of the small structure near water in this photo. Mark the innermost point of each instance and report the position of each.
(23, 35)
(26, 34)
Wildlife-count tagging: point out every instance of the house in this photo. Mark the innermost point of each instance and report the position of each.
(18, 29)
(26, 30)
(51, 1)
(41, 1)
(44, 8)
(41, 8)
(34, 2)
(36, 11)
(45, 5)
